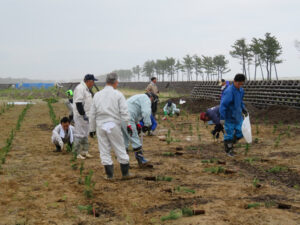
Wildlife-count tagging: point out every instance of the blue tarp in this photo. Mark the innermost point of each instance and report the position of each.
(34, 85)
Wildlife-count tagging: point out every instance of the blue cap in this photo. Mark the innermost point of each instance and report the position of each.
(89, 77)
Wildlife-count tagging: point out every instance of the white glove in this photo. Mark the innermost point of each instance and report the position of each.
(222, 122)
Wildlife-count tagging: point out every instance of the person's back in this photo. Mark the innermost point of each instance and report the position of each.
(138, 105)
(231, 104)
(214, 114)
(108, 107)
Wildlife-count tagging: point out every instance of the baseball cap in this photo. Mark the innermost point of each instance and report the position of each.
(89, 77)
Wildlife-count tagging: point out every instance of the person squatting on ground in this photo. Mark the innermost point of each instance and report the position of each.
(139, 108)
(232, 109)
(152, 88)
(81, 108)
(63, 134)
(108, 111)
(69, 104)
(170, 109)
(213, 114)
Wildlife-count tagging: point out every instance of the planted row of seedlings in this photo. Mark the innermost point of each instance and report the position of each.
(5, 107)
(4, 151)
(51, 111)
(87, 182)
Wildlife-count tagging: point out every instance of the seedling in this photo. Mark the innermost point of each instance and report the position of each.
(164, 178)
(89, 185)
(277, 169)
(252, 205)
(87, 208)
(257, 128)
(213, 160)
(255, 183)
(168, 137)
(277, 141)
(186, 190)
(247, 146)
(173, 215)
(69, 148)
(251, 160)
(81, 171)
(269, 204)
(288, 131)
(187, 212)
(168, 154)
(74, 166)
(215, 170)
(191, 129)
(274, 128)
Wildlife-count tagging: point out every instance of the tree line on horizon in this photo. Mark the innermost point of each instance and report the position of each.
(261, 53)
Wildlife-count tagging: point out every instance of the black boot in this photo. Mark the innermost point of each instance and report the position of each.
(58, 148)
(235, 139)
(124, 170)
(109, 170)
(228, 145)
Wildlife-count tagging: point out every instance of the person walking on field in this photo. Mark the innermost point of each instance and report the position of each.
(108, 111)
(69, 104)
(139, 107)
(232, 109)
(81, 108)
(152, 88)
(63, 134)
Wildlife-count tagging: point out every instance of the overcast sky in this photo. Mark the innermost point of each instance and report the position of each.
(65, 39)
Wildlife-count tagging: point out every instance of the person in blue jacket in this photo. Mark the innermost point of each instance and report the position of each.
(213, 114)
(232, 109)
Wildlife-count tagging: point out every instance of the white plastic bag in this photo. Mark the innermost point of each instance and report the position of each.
(246, 129)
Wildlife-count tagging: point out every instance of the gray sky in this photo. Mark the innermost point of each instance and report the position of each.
(65, 39)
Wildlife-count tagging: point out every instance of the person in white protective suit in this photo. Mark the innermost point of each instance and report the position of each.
(139, 107)
(170, 109)
(108, 111)
(63, 134)
(82, 102)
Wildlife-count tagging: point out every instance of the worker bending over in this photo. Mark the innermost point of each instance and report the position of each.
(63, 134)
(213, 114)
(139, 107)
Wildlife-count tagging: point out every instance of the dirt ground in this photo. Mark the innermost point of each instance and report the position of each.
(39, 186)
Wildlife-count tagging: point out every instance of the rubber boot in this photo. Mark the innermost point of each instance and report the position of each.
(235, 139)
(58, 148)
(229, 147)
(138, 152)
(109, 170)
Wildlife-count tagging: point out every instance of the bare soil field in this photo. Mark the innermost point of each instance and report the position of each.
(260, 185)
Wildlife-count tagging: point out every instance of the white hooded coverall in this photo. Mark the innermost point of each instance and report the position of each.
(81, 131)
(108, 111)
(139, 107)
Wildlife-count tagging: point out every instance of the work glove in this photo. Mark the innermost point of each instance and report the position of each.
(139, 128)
(217, 130)
(145, 129)
(92, 134)
(129, 130)
(245, 112)
(165, 113)
(222, 122)
(85, 118)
